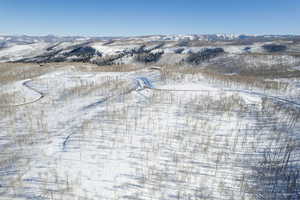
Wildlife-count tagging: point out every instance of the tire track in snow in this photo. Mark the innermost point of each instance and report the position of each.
(145, 83)
(252, 93)
(25, 84)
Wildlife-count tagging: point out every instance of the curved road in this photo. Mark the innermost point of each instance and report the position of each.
(25, 84)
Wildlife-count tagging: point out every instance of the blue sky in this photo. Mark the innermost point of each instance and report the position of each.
(147, 17)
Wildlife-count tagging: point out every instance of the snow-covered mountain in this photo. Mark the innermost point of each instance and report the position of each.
(53, 38)
(162, 49)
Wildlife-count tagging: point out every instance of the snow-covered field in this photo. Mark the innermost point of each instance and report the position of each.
(78, 133)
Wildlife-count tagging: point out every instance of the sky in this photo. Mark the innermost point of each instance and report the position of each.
(148, 17)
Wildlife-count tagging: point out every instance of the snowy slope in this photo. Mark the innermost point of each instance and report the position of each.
(134, 135)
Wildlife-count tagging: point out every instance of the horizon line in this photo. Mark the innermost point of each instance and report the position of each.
(146, 35)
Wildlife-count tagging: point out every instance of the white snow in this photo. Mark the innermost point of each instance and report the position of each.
(21, 51)
(296, 68)
(113, 49)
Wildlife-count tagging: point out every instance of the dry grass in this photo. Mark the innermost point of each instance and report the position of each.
(295, 54)
(107, 88)
(175, 72)
(10, 72)
(108, 68)
(8, 98)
